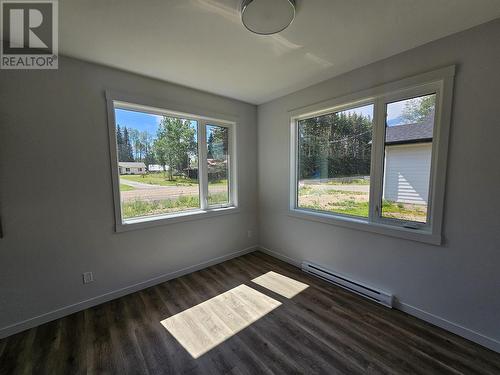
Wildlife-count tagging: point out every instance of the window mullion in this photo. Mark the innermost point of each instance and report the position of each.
(202, 164)
(377, 162)
(231, 166)
(294, 171)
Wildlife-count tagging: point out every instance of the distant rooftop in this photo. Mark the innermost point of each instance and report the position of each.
(410, 133)
(131, 164)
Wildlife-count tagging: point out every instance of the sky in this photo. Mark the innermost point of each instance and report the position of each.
(394, 112)
(137, 120)
(149, 122)
(366, 111)
(143, 121)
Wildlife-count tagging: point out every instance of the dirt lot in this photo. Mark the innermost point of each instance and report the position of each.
(353, 200)
(149, 193)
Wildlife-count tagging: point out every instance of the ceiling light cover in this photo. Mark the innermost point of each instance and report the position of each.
(267, 17)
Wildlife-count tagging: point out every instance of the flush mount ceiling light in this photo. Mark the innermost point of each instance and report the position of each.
(266, 17)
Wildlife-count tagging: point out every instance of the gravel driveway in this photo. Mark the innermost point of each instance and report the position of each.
(147, 192)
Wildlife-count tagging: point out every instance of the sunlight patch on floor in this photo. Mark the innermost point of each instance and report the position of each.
(283, 285)
(208, 324)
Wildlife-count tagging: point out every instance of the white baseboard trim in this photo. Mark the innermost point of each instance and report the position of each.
(82, 305)
(455, 328)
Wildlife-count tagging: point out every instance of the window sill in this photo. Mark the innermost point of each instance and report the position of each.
(153, 221)
(419, 235)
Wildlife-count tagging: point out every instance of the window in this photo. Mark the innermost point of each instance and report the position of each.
(334, 157)
(168, 166)
(375, 160)
(409, 128)
(217, 164)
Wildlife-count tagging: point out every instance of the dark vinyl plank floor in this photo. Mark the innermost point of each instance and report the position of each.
(321, 330)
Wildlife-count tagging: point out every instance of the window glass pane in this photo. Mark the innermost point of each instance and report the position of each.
(157, 164)
(334, 154)
(407, 162)
(217, 164)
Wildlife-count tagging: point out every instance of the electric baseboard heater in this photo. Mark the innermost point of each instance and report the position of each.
(373, 294)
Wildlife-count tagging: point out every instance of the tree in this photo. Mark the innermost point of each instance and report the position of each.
(175, 142)
(418, 109)
(217, 150)
(127, 152)
(123, 144)
(135, 143)
(335, 145)
(217, 142)
(148, 155)
(119, 142)
(143, 144)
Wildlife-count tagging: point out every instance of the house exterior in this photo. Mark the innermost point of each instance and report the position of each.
(131, 167)
(408, 162)
(157, 168)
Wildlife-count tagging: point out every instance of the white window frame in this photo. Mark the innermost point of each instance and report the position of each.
(203, 118)
(439, 82)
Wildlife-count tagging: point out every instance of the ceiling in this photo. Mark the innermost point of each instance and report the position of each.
(202, 43)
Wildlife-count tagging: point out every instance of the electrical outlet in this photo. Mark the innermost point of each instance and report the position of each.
(88, 277)
(250, 234)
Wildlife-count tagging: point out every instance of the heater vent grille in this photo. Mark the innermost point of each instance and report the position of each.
(373, 294)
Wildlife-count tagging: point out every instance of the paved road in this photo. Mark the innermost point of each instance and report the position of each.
(139, 185)
(147, 192)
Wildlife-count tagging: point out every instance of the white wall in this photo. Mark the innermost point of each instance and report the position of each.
(459, 282)
(56, 198)
(407, 172)
(57, 211)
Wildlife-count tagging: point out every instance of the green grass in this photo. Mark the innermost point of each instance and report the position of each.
(124, 187)
(160, 179)
(217, 198)
(307, 190)
(139, 208)
(163, 180)
(400, 211)
(218, 182)
(389, 209)
(359, 181)
(344, 192)
(348, 207)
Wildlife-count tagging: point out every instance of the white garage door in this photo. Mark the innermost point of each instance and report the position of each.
(407, 173)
